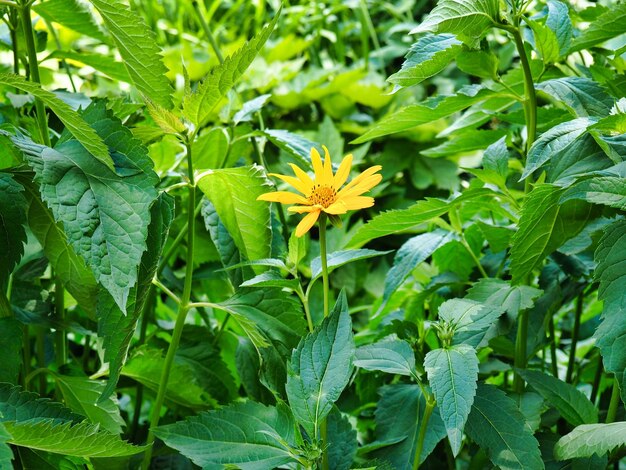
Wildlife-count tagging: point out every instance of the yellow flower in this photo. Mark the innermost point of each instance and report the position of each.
(325, 192)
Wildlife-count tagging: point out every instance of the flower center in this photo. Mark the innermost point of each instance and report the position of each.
(322, 195)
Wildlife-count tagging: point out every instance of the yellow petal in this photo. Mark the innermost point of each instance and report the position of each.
(344, 171)
(363, 186)
(306, 223)
(338, 207)
(295, 182)
(316, 160)
(359, 202)
(303, 209)
(328, 169)
(369, 172)
(302, 176)
(284, 197)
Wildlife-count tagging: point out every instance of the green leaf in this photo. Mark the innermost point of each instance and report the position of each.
(320, 368)
(499, 293)
(271, 279)
(294, 144)
(543, 227)
(79, 440)
(546, 42)
(391, 356)
(468, 20)
(139, 49)
(570, 402)
(234, 192)
(483, 64)
(497, 426)
(247, 435)
(197, 106)
(80, 394)
(249, 108)
(581, 95)
(427, 57)
(17, 405)
(105, 215)
(6, 455)
(608, 25)
(339, 258)
(465, 142)
(12, 233)
(611, 334)
(498, 238)
(558, 21)
(11, 337)
(410, 255)
(589, 439)
(73, 122)
(71, 14)
(102, 63)
(452, 374)
(398, 416)
(606, 190)
(553, 143)
(470, 319)
(210, 150)
(342, 443)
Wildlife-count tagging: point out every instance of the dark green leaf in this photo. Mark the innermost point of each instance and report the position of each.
(12, 233)
(478, 63)
(606, 190)
(342, 443)
(294, 144)
(582, 96)
(391, 356)
(11, 336)
(558, 21)
(17, 405)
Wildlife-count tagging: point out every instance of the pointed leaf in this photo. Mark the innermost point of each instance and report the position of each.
(391, 356)
(582, 96)
(342, 443)
(608, 25)
(471, 319)
(339, 258)
(71, 14)
(499, 293)
(589, 439)
(606, 190)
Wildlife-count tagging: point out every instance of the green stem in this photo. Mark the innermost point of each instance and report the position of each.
(177, 241)
(59, 336)
(572, 350)
(474, 257)
(596, 380)
(207, 31)
(552, 333)
(13, 22)
(610, 414)
(323, 257)
(430, 405)
(64, 64)
(33, 67)
(520, 349)
(307, 311)
(183, 309)
(41, 358)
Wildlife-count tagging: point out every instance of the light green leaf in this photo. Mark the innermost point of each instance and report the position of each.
(11, 337)
(248, 435)
(543, 227)
(339, 258)
(12, 233)
(297, 250)
(467, 19)
(558, 21)
(271, 279)
(452, 374)
(79, 440)
(320, 368)
(80, 394)
(470, 319)
(249, 108)
(87, 136)
(606, 190)
(234, 192)
(499, 293)
(210, 149)
(496, 424)
(102, 63)
(570, 402)
(589, 439)
(197, 106)
(139, 49)
(581, 95)
(294, 144)
(608, 25)
(427, 57)
(392, 356)
(498, 237)
(546, 41)
(465, 142)
(483, 64)
(71, 14)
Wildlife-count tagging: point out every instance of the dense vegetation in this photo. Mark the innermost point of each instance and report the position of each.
(157, 311)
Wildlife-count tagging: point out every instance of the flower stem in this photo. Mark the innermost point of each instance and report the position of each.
(430, 405)
(323, 257)
(183, 309)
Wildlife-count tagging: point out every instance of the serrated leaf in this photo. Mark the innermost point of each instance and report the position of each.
(11, 337)
(470, 319)
(465, 142)
(6, 455)
(452, 374)
(339, 258)
(391, 356)
(81, 394)
(589, 439)
(558, 21)
(71, 14)
(320, 368)
(581, 95)
(17, 405)
(12, 232)
(543, 227)
(410, 255)
(247, 435)
(79, 440)
(73, 122)
(497, 425)
(164, 118)
(468, 20)
(606, 190)
(234, 192)
(342, 442)
(271, 279)
(608, 25)
(139, 50)
(197, 106)
(427, 57)
(570, 402)
(499, 293)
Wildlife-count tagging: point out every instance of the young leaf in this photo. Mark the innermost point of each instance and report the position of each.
(73, 122)
(545, 41)
(608, 25)
(339, 258)
(571, 403)
(582, 96)
(11, 337)
(558, 21)
(247, 435)
(496, 424)
(427, 57)
(320, 368)
(589, 439)
(471, 319)
(249, 108)
(390, 356)
(197, 106)
(499, 293)
(452, 374)
(271, 279)
(12, 233)
(139, 49)
(102, 63)
(71, 14)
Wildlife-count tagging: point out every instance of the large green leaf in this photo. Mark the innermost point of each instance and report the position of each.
(71, 14)
(465, 142)
(139, 50)
(470, 319)
(570, 402)
(582, 96)
(17, 405)
(427, 57)
(12, 233)
(6, 455)
(611, 334)
(558, 21)
(321, 367)
(452, 374)
(497, 425)
(233, 192)
(606, 190)
(610, 24)
(197, 106)
(11, 337)
(543, 227)
(105, 215)
(467, 19)
(342, 443)
(499, 293)
(73, 122)
(589, 439)
(392, 356)
(339, 258)
(247, 435)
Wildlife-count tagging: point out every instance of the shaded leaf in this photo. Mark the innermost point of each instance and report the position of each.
(581, 95)
(11, 337)
(339, 258)
(391, 356)
(12, 233)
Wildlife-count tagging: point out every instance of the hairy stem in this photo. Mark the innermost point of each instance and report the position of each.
(430, 405)
(575, 331)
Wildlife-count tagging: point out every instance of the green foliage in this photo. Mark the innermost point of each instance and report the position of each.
(12, 233)
(589, 439)
(393, 357)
